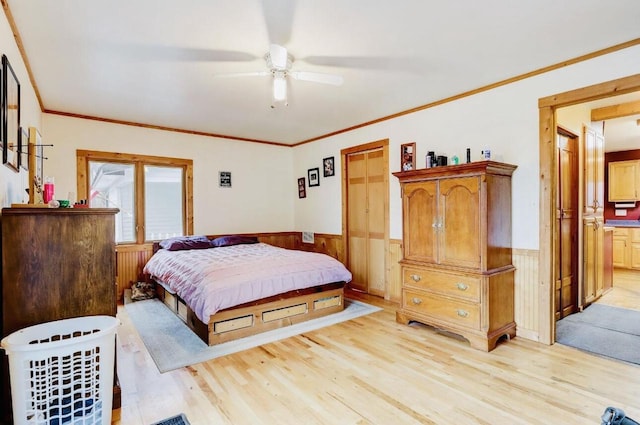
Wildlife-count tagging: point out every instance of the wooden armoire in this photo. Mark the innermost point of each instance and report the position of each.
(57, 263)
(457, 271)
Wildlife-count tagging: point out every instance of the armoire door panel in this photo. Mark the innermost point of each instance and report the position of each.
(459, 232)
(421, 208)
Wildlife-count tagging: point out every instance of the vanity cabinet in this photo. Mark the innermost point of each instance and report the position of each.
(457, 271)
(626, 247)
(621, 254)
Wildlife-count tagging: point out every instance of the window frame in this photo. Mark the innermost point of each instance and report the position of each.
(83, 157)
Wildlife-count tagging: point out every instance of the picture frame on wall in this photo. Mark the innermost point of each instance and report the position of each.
(10, 116)
(24, 149)
(314, 177)
(408, 156)
(225, 178)
(302, 189)
(328, 167)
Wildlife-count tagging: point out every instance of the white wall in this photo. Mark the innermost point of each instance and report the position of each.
(12, 184)
(263, 187)
(504, 119)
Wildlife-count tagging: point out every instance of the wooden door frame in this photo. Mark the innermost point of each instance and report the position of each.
(548, 174)
(379, 144)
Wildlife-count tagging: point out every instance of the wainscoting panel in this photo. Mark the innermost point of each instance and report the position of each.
(394, 286)
(527, 294)
(130, 260)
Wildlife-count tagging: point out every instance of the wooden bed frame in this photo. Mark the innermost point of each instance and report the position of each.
(257, 316)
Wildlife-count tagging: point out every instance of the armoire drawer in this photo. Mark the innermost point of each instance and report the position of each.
(450, 284)
(452, 311)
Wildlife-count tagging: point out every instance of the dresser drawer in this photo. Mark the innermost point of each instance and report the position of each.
(450, 284)
(444, 309)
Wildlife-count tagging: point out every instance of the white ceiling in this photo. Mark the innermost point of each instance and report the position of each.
(153, 62)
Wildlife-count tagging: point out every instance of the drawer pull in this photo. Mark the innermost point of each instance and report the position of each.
(463, 313)
(416, 277)
(416, 301)
(461, 286)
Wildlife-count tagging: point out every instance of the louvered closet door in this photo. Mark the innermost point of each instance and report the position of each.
(366, 221)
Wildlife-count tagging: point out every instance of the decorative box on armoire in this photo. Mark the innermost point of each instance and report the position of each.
(457, 271)
(57, 263)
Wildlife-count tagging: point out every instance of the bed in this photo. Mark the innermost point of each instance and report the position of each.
(232, 287)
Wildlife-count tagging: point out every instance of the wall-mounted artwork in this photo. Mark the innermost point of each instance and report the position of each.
(314, 177)
(302, 189)
(408, 156)
(10, 116)
(328, 167)
(225, 178)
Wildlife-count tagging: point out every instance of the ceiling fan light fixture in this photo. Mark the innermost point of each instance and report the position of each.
(279, 87)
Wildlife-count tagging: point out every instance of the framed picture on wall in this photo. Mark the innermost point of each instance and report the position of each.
(408, 156)
(302, 189)
(328, 167)
(314, 177)
(10, 116)
(225, 178)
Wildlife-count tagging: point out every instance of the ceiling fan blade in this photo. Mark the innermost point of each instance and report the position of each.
(363, 62)
(151, 52)
(278, 16)
(318, 77)
(243, 74)
(278, 55)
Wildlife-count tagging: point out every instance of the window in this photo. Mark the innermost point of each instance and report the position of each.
(153, 194)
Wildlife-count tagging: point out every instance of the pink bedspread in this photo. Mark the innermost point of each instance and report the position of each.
(213, 279)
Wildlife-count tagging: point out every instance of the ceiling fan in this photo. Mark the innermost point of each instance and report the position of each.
(279, 63)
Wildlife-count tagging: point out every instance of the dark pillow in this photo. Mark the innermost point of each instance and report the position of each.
(185, 242)
(233, 240)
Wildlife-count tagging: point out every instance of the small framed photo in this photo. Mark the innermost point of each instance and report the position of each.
(314, 177)
(302, 189)
(225, 178)
(328, 167)
(408, 156)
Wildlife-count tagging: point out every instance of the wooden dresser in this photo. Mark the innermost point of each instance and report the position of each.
(457, 271)
(56, 264)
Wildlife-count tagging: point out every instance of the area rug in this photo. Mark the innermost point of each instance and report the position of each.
(600, 329)
(173, 345)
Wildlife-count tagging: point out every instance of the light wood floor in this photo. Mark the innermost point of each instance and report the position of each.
(372, 370)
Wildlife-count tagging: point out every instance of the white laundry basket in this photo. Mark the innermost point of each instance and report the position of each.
(61, 372)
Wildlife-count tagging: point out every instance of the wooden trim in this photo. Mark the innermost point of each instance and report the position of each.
(23, 54)
(82, 178)
(615, 111)
(160, 127)
(548, 174)
(488, 87)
